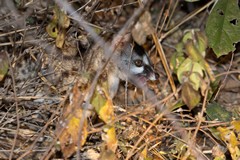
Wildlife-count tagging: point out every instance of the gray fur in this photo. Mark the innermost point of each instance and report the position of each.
(122, 67)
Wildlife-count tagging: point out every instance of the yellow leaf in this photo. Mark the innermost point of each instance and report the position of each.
(60, 21)
(231, 140)
(3, 65)
(236, 128)
(236, 125)
(106, 112)
(228, 135)
(190, 71)
(143, 154)
(73, 126)
(52, 30)
(60, 39)
(110, 138)
(103, 104)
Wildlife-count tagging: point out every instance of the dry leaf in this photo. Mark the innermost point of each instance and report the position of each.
(63, 21)
(60, 39)
(3, 65)
(103, 103)
(52, 29)
(107, 155)
(142, 28)
(190, 96)
(57, 27)
(110, 138)
(74, 125)
(230, 138)
(104, 107)
(143, 154)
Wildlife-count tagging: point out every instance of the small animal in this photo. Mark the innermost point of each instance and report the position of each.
(128, 63)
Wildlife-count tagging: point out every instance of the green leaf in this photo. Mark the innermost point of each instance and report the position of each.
(216, 111)
(190, 71)
(176, 60)
(223, 27)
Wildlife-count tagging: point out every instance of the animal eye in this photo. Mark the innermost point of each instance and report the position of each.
(138, 63)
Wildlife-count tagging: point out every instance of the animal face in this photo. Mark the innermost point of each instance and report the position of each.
(129, 64)
(136, 65)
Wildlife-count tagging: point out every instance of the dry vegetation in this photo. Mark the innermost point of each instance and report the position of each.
(47, 81)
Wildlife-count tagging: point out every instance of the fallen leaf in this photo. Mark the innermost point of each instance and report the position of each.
(142, 28)
(216, 112)
(102, 103)
(229, 137)
(73, 125)
(60, 39)
(109, 136)
(3, 65)
(190, 96)
(58, 25)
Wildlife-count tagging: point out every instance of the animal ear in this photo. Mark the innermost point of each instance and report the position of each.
(120, 40)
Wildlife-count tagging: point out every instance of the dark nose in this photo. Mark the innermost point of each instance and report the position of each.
(156, 75)
(149, 73)
(148, 70)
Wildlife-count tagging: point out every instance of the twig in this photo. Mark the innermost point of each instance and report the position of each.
(30, 149)
(114, 7)
(27, 98)
(225, 78)
(164, 62)
(200, 117)
(130, 153)
(20, 42)
(19, 30)
(185, 19)
(16, 106)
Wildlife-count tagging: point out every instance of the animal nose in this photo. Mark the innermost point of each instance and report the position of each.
(147, 69)
(156, 75)
(150, 74)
